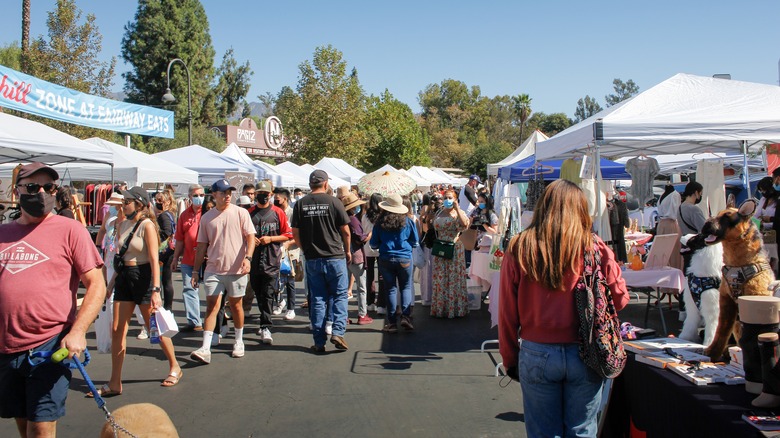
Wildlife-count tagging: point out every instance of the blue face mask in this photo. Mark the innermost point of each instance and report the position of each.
(482, 206)
(776, 186)
(197, 201)
(112, 211)
(357, 209)
(448, 203)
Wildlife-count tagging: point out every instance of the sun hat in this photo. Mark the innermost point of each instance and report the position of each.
(394, 204)
(350, 201)
(115, 199)
(244, 200)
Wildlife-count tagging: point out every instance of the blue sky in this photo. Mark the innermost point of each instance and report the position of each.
(555, 51)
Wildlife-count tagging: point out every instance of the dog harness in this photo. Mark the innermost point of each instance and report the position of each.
(737, 276)
(697, 285)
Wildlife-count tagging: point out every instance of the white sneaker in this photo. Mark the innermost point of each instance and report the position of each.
(238, 349)
(328, 328)
(372, 307)
(266, 336)
(277, 310)
(282, 305)
(143, 334)
(381, 311)
(202, 355)
(290, 315)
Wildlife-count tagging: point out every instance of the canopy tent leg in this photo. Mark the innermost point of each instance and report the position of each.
(746, 170)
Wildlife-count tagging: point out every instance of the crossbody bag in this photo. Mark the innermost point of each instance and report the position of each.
(119, 262)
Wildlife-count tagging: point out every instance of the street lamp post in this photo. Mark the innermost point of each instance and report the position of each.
(168, 96)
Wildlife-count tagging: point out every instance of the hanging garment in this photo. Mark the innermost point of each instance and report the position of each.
(643, 172)
(570, 170)
(534, 192)
(598, 215)
(709, 173)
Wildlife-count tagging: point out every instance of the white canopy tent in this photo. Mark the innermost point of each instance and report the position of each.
(334, 181)
(234, 152)
(683, 114)
(132, 166)
(456, 181)
(525, 150)
(341, 169)
(23, 140)
(303, 172)
(686, 163)
(287, 179)
(387, 167)
(210, 165)
(430, 176)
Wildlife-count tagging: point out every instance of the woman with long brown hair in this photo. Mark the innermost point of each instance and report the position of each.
(541, 268)
(165, 204)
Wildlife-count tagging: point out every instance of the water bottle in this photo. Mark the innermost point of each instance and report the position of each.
(154, 332)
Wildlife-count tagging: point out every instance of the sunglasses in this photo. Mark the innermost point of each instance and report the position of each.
(129, 201)
(33, 188)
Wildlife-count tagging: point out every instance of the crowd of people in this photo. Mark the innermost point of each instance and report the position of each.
(239, 250)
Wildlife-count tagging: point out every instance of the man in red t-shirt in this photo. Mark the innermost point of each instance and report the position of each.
(186, 241)
(42, 259)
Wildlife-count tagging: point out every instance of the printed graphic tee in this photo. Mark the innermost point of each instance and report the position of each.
(318, 217)
(40, 266)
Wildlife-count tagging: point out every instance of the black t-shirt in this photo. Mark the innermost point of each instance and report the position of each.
(471, 195)
(267, 258)
(318, 217)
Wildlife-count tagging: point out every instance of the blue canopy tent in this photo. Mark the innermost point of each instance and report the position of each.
(525, 170)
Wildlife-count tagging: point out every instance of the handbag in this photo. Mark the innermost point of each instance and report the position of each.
(119, 262)
(298, 270)
(418, 257)
(601, 347)
(443, 249)
(166, 323)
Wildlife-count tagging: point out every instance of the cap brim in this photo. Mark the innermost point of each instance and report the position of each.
(399, 209)
(354, 204)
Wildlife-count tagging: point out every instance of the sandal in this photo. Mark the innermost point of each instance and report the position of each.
(105, 391)
(172, 379)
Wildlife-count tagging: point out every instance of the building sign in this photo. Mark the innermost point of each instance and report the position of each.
(255, 141)
(35, 96)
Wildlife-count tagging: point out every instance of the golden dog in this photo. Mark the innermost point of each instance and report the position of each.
(746, 269)
(142, 420)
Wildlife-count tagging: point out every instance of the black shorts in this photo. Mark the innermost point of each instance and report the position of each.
(35, 392)
(132, 284)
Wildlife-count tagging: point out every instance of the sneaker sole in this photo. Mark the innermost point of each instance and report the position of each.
(268, 341)
(237, 355)
(199, 359)
(340, 344)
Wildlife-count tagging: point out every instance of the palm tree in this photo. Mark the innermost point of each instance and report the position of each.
(522, 107)
(25, 32)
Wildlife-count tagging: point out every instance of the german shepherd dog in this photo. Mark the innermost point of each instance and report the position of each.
(746, 269)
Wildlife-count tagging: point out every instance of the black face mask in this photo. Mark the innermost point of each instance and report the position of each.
(132, 215)
(698, 200)
(158, 206)
(262, 199)
(278, 204)
(37, 205)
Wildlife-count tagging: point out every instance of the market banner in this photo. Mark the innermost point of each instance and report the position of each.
(35, 96)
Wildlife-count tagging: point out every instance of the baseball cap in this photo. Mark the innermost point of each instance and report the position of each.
(221, 185)
(318, 177)
(30, 169)
(264, 186)
(137, 194)
(476, 177)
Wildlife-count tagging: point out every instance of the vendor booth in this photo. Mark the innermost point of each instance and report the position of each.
(340, 169)
(526, 170)
(234, 152)
(210, 165)
(525, 150)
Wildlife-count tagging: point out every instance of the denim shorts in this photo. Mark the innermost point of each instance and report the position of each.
(132, 284)
(37, 393)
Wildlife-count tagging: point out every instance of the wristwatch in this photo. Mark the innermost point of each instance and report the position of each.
(155, 289)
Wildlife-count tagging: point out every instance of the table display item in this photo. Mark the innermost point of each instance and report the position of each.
(762, 420)
(758, 315)
(768, 347)
(663, 358)
(659, 344)
(705, 373)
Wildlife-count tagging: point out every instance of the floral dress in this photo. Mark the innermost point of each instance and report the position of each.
(450, 297)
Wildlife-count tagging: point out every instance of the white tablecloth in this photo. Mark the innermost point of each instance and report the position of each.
(664, 277)
(479, 271)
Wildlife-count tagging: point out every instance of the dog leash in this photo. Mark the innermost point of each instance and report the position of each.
(60, 357)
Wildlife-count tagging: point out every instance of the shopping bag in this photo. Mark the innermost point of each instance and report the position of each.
(103, 326)
(496, 255)
(418, 257)
(166, 323)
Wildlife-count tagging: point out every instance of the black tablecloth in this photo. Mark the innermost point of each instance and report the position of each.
(663, 404)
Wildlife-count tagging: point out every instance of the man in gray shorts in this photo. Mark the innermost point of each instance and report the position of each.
(226, 236)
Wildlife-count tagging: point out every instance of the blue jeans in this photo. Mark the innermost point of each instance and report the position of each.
(327, 279)
(561, 395)
(191, 297)
(397, 273)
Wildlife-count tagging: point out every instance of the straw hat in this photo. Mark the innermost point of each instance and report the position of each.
(115, 199)
(342, 192)
(394, 204)
(350, 201)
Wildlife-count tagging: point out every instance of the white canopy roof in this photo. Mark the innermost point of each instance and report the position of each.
(683, 114)
(421, 182)
(133, 166)
(234, 152)
(685, 163)
(387, 167)
(210, 165)
(454, 180)
(334, 181)
(287, 179)
(522, 152)
(429, 175)
(341, 169)
(23, 140)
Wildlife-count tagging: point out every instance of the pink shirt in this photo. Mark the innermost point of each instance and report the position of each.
(224, 231)
(543, 315)
(40, 266)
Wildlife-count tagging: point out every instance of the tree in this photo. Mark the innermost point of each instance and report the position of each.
(585, 108)
(69, 57)
(623, 91)
(163, 30)
(549, 124)
(25, 32)
(396, 137)
(325, 115)
(11, 55)
(522, 107)
(232, 86)
(485, 154)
